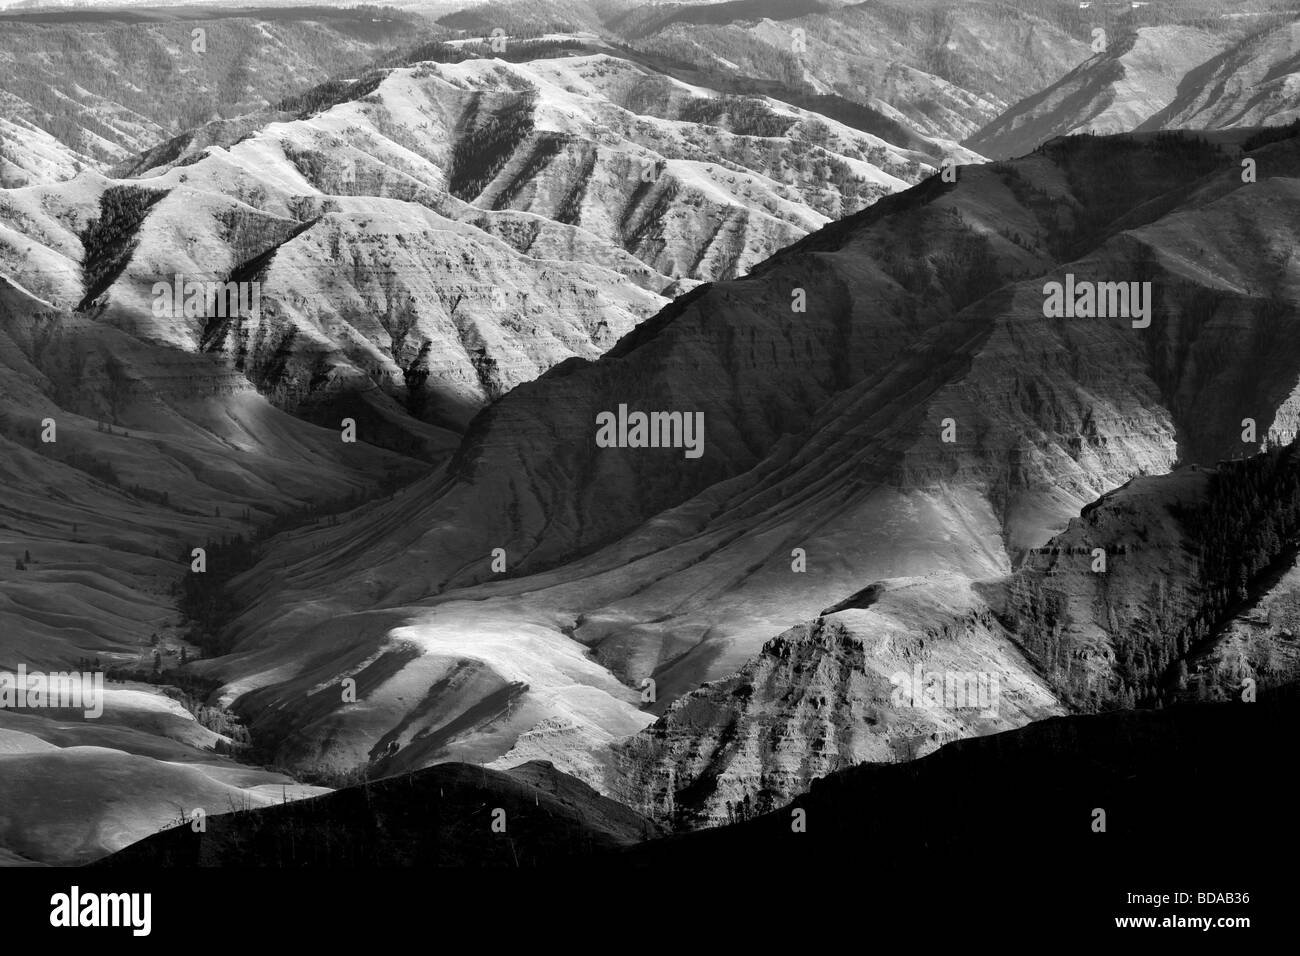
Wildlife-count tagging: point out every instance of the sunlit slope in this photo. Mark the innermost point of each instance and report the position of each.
(102, 88)
(825, 432)
(434, 235)
(1227, 76)
(939, 69)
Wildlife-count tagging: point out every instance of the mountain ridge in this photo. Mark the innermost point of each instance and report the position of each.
(852, 469)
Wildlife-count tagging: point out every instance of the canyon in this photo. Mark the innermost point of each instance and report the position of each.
(437, 551)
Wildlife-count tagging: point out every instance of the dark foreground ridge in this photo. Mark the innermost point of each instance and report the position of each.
(1191, 789)
(442, 816)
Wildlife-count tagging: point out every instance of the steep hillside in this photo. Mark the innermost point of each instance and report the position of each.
(422, 239)
(940, 68)
(899, 460)
(120, 455)
(1253, 83)
(1210, 75)
(1258, 642)
(824, 467)
(1115, 91)
(429, 237)
(1184, 553)
(1196, 595)
(822, 697)
(28, 154)
(91, 83)
(118, 458)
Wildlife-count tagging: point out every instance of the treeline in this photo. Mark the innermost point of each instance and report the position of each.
(545, 148)
(1246, 524)
(493, 128)
(205, 602)
(742, 115)
(1252, 515)
(521, 18)
(754, 56)
(192, 692)
(962, 266)
(330, 93)
(1271, 134)
(109, 241)
(1110, 177)
(859, 117)
(519, 48)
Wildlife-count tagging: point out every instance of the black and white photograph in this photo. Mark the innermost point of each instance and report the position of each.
(827, 467)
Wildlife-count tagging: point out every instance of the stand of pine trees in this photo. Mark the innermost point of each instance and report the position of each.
(1245, 528)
